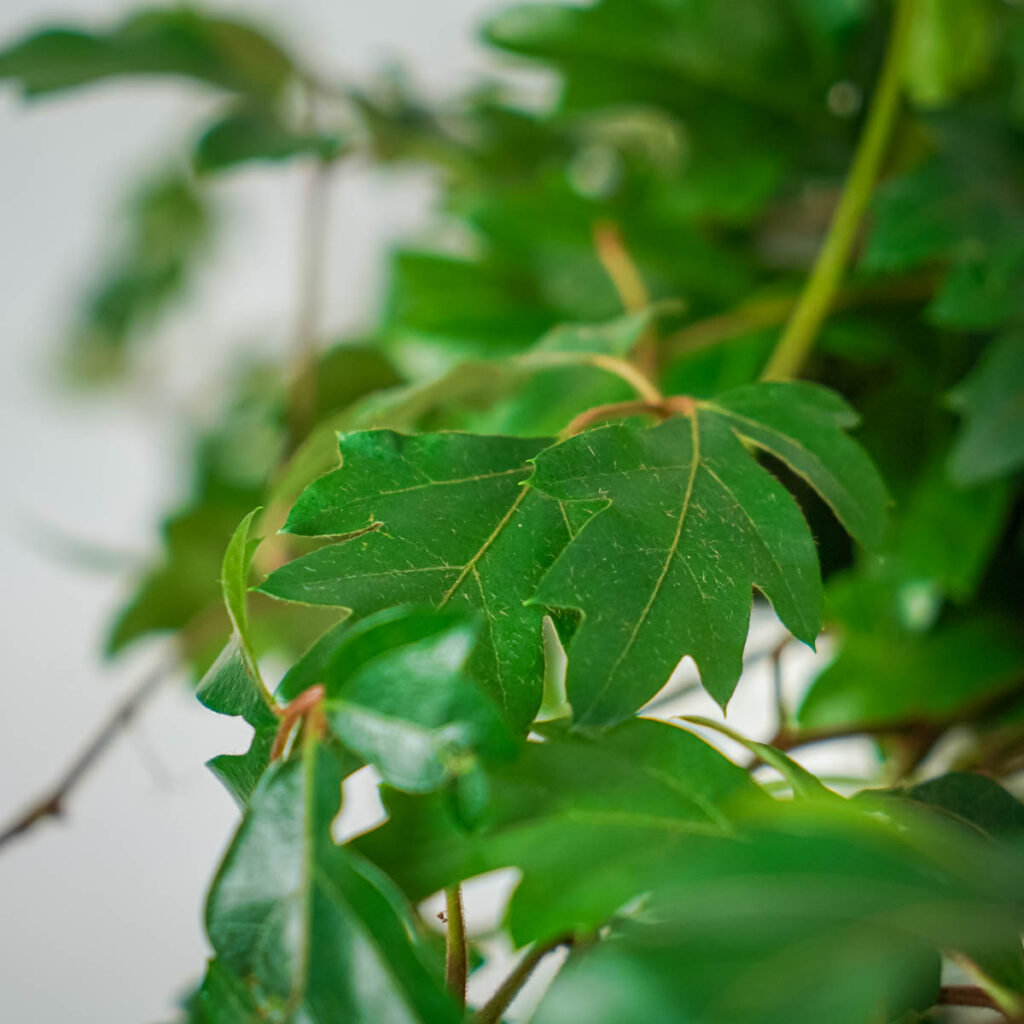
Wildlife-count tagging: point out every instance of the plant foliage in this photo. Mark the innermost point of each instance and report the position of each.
(570, 456)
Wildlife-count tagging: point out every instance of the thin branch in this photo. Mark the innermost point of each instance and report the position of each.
(817, 296)
(493, 1009)
(770, 311)
(456, 966)
(612, 411)
(619, 266)
(628, 282)
(52, 804)
(968, 995)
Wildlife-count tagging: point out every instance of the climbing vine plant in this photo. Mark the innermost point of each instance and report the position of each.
(580, 444)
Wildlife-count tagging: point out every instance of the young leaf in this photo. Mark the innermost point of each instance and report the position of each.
(233, 685)
(991, 400)
(309, 926)
(441, 519)
(396, 696)
(591, 823)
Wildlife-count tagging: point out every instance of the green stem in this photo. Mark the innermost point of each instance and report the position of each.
(826, 275)
(456, 968)
(491, 1011)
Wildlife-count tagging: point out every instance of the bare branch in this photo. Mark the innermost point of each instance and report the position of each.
(52, 803)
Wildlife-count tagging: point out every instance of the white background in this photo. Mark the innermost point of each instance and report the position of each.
(100, 912)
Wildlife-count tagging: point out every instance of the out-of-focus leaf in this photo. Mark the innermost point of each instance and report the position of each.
(168, 228)
(965, 208)
(928, 677)
(222, 999)
(439, 519)
(176, 41)
(592, 824)
(803, 921)
(975, 800)
(991, 401)
(308, 926)
(950, 49)
(250, 133)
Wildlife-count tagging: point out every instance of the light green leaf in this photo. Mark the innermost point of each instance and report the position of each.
(991, 401)
(950, 49)
(309, 926)
(843, 913)
(803, 783)
(439, 519)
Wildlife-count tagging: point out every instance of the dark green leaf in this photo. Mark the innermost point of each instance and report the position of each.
(177, 41)
(310, 927)
(449, 522)
(991, 400)
(253, 133)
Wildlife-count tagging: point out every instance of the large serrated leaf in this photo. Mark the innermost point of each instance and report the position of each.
(692, 524)
(449, 522)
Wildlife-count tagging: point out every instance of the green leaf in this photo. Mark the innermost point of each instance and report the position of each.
(692, 523)
(809, 919)
(929, 677)
(613, 338)
(950, 49)
(241, 773)
(223, 999)
(181, 42)
(250, 133)
(310, 927)
(962, 207)
(804, 785)
(444, 520)
(975, 801)
(396, 696)
(991, 401)
(168, 225)
(230, 688)
(591, 823)
(802, 425)
(666, 569)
